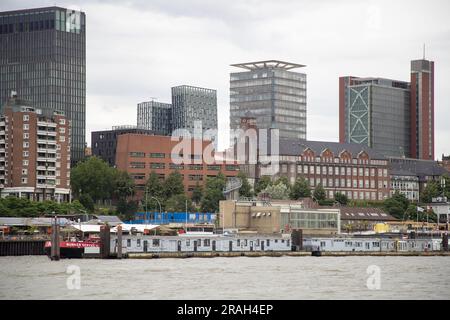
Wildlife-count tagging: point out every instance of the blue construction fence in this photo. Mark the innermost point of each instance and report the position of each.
(172, 217)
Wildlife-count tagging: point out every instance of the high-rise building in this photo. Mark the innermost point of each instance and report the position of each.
(34, 153)
(272, 94)
(190, 104)
(422, 109)
(43, 59)
(375, 112)
(155, 116)
(393, 117)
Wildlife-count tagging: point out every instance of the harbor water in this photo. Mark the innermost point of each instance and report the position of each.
(36, 277)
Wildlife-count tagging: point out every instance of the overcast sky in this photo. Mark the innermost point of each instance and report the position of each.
(137, 50)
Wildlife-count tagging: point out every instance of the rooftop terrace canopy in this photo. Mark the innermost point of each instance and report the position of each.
(268, 64)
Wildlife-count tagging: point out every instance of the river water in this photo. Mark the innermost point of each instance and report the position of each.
(36, 277)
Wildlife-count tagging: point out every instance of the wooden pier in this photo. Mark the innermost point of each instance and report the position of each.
(22, 247)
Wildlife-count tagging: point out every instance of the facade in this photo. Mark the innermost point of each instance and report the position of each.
(351, 169)
(271, 93)
(395, 118)
(140, 154)
(410, 176)
(278, 217)
(376, 112)
(34, 153)
(104, 143)
(190, 104)
(43, 59)
(422, 109)
(155, 116)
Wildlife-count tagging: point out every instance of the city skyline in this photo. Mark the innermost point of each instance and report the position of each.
(196, 46)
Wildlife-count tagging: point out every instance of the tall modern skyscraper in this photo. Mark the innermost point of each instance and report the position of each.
(272, 94)
(43, 59)
(155, 116)
(393, 117)
(375, 112)
(190, 104)
(422, 109)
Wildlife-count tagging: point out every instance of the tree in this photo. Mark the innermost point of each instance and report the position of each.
(432, 190)
(197, 193)
(127, 208)
(341, 198)
(396, 205)
(262, 183)
(173, 185)
(153, 188)
(213, 193)
(300, 189)
(277, 191)
(246, 189)
(123, 185)
(92, 177)
(178, 202)
(284, 180)
(87, 202)
(319, 193)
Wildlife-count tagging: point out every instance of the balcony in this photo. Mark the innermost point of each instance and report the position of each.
(47, 124)
(45, 186)
(2, 132)
(2, 150)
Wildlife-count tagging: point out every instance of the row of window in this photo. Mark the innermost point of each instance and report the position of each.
(308, 169)
(172, 166)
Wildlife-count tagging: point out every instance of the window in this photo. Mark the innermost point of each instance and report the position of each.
(137, 165)
(26, 144)
(25, 162)
(157, 155)
(26, 117)
(188, 243)
(128, 242)
(63, 121)
(138, 242)
(62, 130)
(26, 126)
(137, 154)
(26, 154)
(268, 242)
(155, 242)
(24, 180)
(206, 242)
(157, 165)
(24, 171)
(62, 138)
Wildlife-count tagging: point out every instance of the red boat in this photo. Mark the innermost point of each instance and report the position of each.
(75, 248)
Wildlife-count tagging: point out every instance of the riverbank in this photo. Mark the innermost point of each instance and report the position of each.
(154, 255)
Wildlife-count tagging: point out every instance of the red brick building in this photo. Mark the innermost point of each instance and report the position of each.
(140, 154)
(34, 153)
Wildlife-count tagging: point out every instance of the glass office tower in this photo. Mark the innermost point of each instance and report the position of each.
(43, 59)
(270, 93)
(155, 116)
(190, 104)
(377, 114)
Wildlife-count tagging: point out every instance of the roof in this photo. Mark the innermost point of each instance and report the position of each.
(16, 221)
(365, 213)
(296, 147)
(137, 227)
(415, 167)
(268, 64)
(111, 220)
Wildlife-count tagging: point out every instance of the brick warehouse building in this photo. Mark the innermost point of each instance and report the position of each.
(356, 171)
(34, 153)
(140, 154)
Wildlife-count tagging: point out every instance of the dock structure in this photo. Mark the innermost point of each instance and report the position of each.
(55, 253)
(22, 247)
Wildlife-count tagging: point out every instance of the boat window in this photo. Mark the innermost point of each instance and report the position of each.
(128, 242)
(245, 242)
(287, 243)
(155, 242)
(257, 242)
(268, 242)
(199, 241)
(188, 243)
(138, 242)
(206, 243)
(238, 242)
